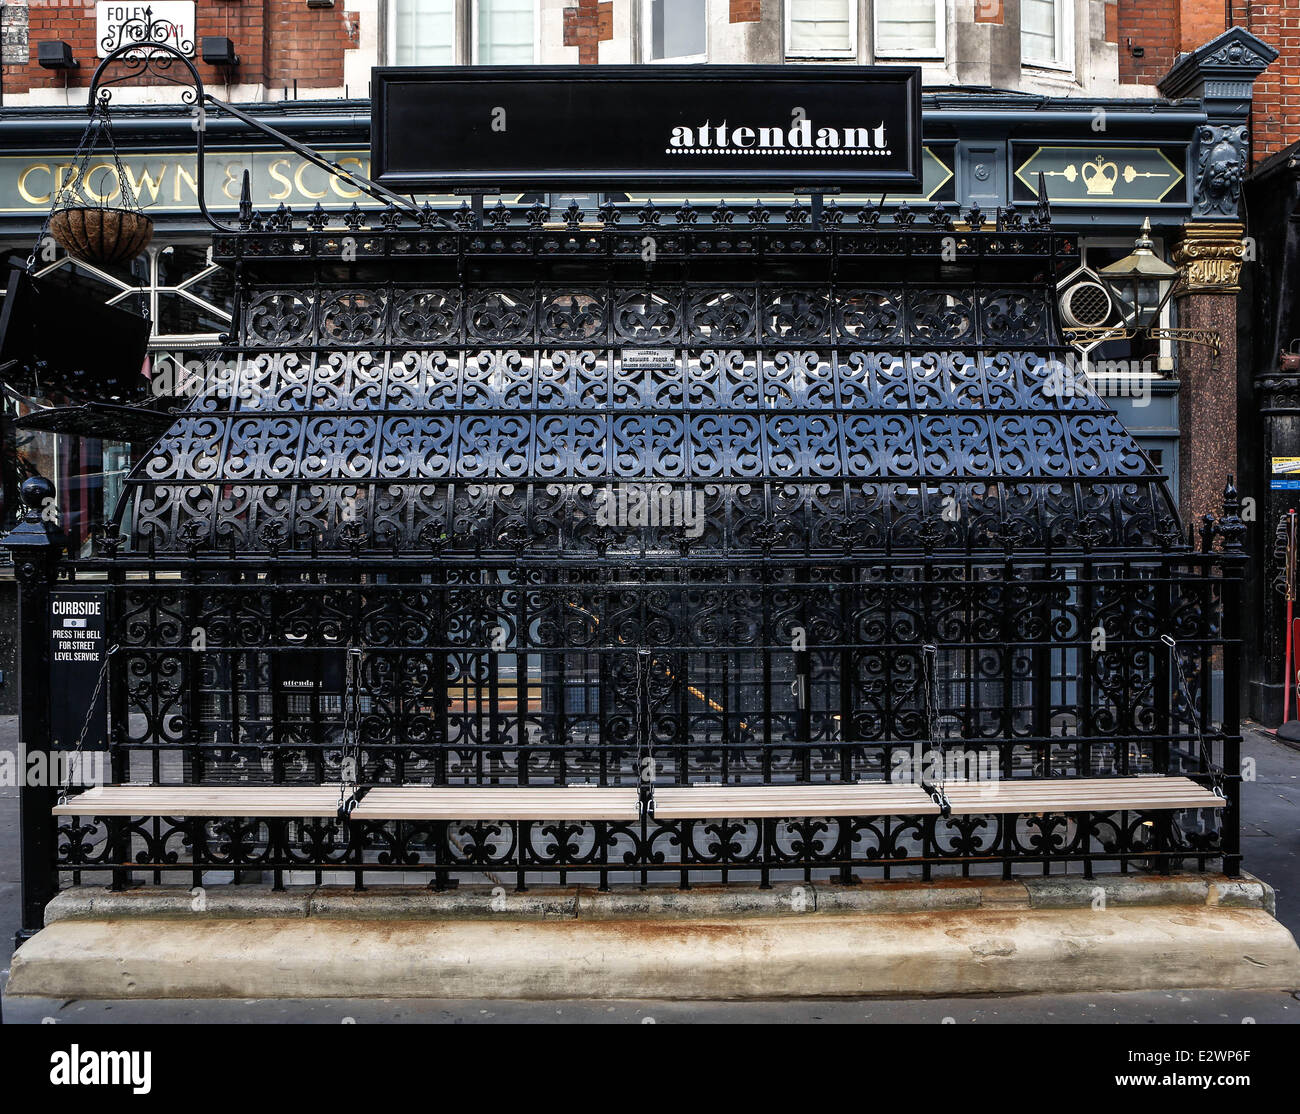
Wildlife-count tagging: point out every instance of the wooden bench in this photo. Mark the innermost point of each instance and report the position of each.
(206, 800)
(1061, 794)
(702, 802)
(696, 802)
(417, 802)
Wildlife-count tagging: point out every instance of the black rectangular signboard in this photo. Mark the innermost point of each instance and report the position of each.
(647, 127)
(78, 618)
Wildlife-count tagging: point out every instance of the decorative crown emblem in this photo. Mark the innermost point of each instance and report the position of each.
(1100, 176)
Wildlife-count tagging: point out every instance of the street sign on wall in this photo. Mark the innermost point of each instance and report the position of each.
(167, 21)
(616, 127)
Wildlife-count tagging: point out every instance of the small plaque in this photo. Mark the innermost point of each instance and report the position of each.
(78, 622)
(1286, 473)
(649, 359)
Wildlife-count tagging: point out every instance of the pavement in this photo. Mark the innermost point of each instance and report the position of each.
(1271, 850)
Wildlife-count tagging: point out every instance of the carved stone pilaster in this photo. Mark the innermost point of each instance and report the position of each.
(1209, 257)
(1221, 159)
(1220, 75)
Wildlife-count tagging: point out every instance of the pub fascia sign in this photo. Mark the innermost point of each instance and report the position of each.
(167, 181)
(170, 22)
(638, 127)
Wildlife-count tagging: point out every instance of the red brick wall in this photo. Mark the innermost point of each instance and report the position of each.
(1163, 29)
(1199, 21)
(1275, 121)
(1153, 27)
(745, 11)
(304, 43)
(1186, 24)
(586, 25)
(276, 41)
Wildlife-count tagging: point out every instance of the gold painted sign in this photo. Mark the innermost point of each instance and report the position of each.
(167, 182)
(1102, 175)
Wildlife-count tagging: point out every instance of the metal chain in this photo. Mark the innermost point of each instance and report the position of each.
(1194, 712)
(351, 730)
(929, 653)
(643, 665)
(85, 724)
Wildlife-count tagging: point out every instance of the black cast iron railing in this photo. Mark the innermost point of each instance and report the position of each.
(526, 672)
(510, 504)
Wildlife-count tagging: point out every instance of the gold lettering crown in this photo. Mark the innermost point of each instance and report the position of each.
(1100, 176)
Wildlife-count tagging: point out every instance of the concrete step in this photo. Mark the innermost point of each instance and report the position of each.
(677, 952)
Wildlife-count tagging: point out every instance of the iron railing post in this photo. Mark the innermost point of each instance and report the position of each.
(35, 545)
(1232, 529)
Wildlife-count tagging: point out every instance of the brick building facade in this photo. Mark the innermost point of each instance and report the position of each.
(282, 45)
(294, 49)
(291, 48)
(1151, 37)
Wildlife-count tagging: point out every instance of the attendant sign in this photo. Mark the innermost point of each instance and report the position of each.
(647, 127)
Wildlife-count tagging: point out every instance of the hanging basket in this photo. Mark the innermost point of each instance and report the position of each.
(101, 236)
(95, 216)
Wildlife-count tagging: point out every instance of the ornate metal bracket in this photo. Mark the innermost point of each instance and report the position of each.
(1208, 337)
(1097, 333)
(147, 53)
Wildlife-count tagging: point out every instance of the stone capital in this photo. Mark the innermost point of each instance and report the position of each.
(1209, 257)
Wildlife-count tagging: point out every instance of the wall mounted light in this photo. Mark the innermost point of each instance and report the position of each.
(219, 51)
(55, 54)
(1141, 285)
(1140, 281)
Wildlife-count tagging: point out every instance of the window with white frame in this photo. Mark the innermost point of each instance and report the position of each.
(423, 32)
(1046, 33)
(910, 28)
(431, 32)
(821, 28)
(676, 30)
(505, 32)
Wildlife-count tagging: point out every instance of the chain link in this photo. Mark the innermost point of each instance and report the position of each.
(1194, 714)
(85, 724)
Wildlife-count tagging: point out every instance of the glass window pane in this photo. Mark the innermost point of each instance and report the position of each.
(819, 27)
(1038, 30)
(677, 28)
(424, 32)
(505, 32)
(907, 25)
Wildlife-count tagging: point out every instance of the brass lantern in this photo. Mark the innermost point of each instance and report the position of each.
(1141, 280)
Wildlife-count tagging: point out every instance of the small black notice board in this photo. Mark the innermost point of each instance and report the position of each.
(78, 645)
(652, 127)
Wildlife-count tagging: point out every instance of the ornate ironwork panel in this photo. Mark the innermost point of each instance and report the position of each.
(591, 518)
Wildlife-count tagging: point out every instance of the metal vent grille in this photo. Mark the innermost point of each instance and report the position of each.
(1086, 303)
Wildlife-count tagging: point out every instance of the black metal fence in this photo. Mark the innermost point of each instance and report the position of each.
(235, 672)
(388, 549)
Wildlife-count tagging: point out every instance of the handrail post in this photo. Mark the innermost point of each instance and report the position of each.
(35, 545)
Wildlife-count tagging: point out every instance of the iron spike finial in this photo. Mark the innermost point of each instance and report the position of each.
(245, 201)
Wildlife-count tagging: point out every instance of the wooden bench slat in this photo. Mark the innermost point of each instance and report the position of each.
(699, 802)
(419, 802)
(1078, 795)
(204, 801)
